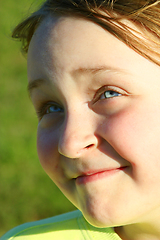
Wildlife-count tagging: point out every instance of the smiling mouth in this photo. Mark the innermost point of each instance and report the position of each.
(90, 177)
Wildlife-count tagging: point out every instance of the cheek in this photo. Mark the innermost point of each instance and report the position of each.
(135, 134)
(47, 150)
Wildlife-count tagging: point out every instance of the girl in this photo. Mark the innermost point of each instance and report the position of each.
(94, 80)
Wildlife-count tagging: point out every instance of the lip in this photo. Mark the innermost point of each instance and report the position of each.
(96, 175)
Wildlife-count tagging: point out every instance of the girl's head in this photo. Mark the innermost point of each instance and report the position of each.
(94, 79)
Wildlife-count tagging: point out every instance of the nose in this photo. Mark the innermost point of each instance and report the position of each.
(76, 135)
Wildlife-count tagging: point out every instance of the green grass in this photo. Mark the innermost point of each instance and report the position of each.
(26, 192)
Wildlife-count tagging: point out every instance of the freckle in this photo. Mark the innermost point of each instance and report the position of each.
(56, 166)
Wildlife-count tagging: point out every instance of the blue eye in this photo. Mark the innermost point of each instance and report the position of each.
(54, 109)
(110, 94)
(48, 108)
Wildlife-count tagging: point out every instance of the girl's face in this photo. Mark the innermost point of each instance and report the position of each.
(98, 104)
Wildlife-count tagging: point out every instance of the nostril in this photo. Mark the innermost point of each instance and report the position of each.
(89, 146)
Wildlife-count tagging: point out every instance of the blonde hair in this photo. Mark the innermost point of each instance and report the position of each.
(109, 14)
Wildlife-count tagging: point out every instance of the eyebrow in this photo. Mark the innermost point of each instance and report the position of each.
(35, 84)
(39, 82)
(97, 70)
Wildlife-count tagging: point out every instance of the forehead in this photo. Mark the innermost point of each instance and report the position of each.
(61, 45)
(69, 42)
(63, 34)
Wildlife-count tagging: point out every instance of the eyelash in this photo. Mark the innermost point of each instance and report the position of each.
(45, 107)
(100, 95)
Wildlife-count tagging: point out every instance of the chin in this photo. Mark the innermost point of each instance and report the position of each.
(98, 223)
(97, 219)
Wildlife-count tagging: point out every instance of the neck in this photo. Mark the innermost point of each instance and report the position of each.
(146, 228)
(138, 232)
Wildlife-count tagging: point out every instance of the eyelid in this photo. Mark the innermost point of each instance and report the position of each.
(108, 88)
(41, 110)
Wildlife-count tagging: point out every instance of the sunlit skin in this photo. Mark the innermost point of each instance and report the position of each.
(98, 104)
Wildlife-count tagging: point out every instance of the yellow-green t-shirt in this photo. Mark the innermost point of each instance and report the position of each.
(68, 226)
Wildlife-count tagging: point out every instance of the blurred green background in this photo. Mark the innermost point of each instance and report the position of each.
(26, 192)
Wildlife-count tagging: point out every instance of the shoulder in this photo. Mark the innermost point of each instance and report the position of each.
(67, 226)
(41, 225)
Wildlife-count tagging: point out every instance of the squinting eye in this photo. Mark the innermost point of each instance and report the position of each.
(48, 108)
(110, 94)
(54, 109)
